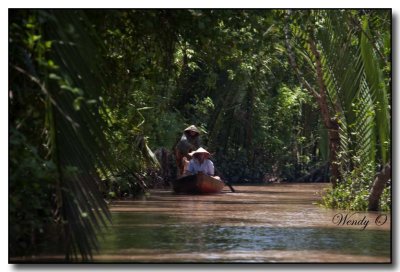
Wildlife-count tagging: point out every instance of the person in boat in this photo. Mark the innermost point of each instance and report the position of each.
(200, 163)
(189, 142)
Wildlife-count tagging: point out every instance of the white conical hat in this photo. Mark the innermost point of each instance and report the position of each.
(200, 150)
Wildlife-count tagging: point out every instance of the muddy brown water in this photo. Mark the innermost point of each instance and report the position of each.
(268, 223)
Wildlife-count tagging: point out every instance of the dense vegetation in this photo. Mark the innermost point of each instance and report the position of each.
(279, 95)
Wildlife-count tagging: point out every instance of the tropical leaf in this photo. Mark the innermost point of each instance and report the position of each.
(354, 83)
(343, 77)
(379, 95)
(78, 143)
(65, 68)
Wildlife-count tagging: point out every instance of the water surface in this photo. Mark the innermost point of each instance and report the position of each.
(270, 223)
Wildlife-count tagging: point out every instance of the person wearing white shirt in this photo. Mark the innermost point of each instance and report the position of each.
(200, 163)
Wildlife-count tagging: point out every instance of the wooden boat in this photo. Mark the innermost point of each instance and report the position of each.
(198, 184)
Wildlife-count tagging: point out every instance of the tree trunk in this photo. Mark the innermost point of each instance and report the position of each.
(331, 123)
(378, 186)
(249, 125)
(334, 142)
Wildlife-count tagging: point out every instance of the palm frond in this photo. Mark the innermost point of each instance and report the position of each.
(76, 131)
(379, 95)
(344, 77)
(353, 81)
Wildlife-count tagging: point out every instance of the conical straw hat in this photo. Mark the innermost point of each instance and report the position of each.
(192, 128)
(200, 150)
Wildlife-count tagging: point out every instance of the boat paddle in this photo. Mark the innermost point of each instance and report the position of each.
(229, 185)
(223, 179)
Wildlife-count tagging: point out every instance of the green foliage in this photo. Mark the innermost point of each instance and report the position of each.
(214, 74)
(353, 192)
(55, 94)
(33, 176)
(374, 77)
(386, 199)
(202, 110)
(93, 92)
(164, 128)
(352, 80)
(32, 181)
(124, 185)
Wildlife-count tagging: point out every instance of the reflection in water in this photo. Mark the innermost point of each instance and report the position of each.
(274, 223)
(204, 238)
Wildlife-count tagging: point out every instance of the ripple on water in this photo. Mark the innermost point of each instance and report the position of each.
(259, 223)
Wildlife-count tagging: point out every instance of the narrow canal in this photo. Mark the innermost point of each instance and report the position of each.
(271, 223)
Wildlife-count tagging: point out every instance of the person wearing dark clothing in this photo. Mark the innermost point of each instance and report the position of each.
(189, 142)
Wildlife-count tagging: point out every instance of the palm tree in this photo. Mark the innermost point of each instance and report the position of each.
(57, 55)
(67, 80)
(342, 61)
